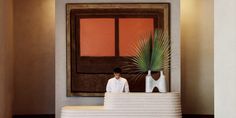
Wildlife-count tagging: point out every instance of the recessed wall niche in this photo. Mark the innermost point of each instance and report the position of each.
(99, 37)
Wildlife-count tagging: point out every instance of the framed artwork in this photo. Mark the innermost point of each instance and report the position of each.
(99, 38)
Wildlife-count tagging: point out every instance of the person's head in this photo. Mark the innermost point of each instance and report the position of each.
(117, 72)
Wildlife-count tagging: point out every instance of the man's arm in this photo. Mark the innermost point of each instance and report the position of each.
(126, 87)
(108, 87)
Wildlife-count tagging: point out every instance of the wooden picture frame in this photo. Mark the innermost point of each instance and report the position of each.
(86, 75)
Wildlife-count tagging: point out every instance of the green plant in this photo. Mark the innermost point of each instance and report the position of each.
(153, 53)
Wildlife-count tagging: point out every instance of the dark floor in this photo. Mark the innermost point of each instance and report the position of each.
(197, 116)
(53, 116)
(33, 116)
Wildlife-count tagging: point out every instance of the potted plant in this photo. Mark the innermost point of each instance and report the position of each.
(152, 53)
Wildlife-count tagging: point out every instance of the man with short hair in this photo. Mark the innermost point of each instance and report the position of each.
(117, 84)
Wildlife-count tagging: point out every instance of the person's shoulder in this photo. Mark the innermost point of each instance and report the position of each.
(111, 79)
(123, 79)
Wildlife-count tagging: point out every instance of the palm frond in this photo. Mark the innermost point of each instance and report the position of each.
(153, 53)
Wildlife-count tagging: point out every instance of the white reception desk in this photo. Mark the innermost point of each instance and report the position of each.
(130, 105)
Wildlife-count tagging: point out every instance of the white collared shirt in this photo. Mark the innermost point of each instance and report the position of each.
(117, 85)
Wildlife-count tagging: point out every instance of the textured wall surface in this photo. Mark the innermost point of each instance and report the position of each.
(225, 56)
(197, 58)
(6, 58)
(61, 98)
(34, 22)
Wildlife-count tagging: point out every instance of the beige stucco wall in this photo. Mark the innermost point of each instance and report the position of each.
(197, 60)
(34, 56)
(6, 58)
(61, 98)
(197, 56)
(225, 58)
(34, 71)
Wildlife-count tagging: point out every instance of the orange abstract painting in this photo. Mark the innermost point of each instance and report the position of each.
(97, 37)
(131, 30)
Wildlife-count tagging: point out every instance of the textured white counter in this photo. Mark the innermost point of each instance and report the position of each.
(129, 105)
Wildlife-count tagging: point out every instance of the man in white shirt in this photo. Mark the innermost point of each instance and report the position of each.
(117, 84)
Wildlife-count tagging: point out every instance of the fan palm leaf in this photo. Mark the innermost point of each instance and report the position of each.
(152, 53)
